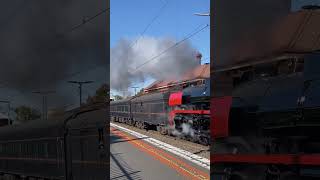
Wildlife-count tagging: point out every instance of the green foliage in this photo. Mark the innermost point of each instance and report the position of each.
(101, 95)
(117, 97)
(25, 113)
(140, 92)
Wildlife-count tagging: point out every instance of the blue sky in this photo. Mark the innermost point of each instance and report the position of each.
(129, 18)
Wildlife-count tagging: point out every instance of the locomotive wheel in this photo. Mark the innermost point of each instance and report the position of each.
(140, 125)
(162, 130)
(204, 141)
(143, 126)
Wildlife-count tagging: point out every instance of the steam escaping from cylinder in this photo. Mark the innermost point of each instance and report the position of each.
(187, 129)
(149, 57)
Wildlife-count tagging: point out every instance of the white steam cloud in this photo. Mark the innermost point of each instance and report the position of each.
(125, 58)
(187, 130)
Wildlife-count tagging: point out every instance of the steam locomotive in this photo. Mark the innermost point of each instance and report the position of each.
(71, 146)
(265, 122)
(182, 113)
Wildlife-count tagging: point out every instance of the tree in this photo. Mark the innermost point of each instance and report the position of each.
(25, 113)
(117, 97)
(101, 95)
(140, 92)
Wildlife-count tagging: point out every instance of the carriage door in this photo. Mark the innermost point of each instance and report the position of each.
(310, 99)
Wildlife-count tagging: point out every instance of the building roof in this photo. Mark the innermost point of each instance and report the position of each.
(199, 72)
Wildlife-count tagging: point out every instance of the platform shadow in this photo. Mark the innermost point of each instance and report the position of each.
(120, 170)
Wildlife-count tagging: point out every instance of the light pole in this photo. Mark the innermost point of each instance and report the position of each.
(202, 14)
(8, 102)
(135, 90)
(80, 83)
(44, 102)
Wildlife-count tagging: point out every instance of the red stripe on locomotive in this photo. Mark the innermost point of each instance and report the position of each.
(285, 159)
(220, 108)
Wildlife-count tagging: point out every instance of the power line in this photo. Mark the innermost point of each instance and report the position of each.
(150, 23)
(84, 20)
(72, 29)
(173, 46)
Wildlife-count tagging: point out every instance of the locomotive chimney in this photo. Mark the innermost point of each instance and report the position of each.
(198, 57)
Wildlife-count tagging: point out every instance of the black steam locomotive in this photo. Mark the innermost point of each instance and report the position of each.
(266, 119)
(69, 147)
(180, 113)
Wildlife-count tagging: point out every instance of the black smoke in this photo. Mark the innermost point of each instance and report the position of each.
(40, 51)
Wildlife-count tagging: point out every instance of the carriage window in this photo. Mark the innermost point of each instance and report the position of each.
(285, 67)
(299, 65)
(290, 66)
(265, 71)
(135, 107)
(159, 107)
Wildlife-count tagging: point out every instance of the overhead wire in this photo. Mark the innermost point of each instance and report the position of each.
(173, 46)
(150, 23)
(85, 21)
(156, 16)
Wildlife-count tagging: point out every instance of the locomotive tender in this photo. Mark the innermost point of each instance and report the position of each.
(68, 147)
(181, 113)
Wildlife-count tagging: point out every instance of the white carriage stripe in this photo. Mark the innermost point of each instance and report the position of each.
(201, 161)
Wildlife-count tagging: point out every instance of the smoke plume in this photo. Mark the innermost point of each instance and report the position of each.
(38, 50)
(127, 61)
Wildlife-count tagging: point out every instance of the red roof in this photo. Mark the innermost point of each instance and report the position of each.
(200, 72)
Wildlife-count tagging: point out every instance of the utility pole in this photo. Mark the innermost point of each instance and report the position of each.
(44, 103)
(123, 92)
(80, 83)
(135, 90)
(8, 102)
